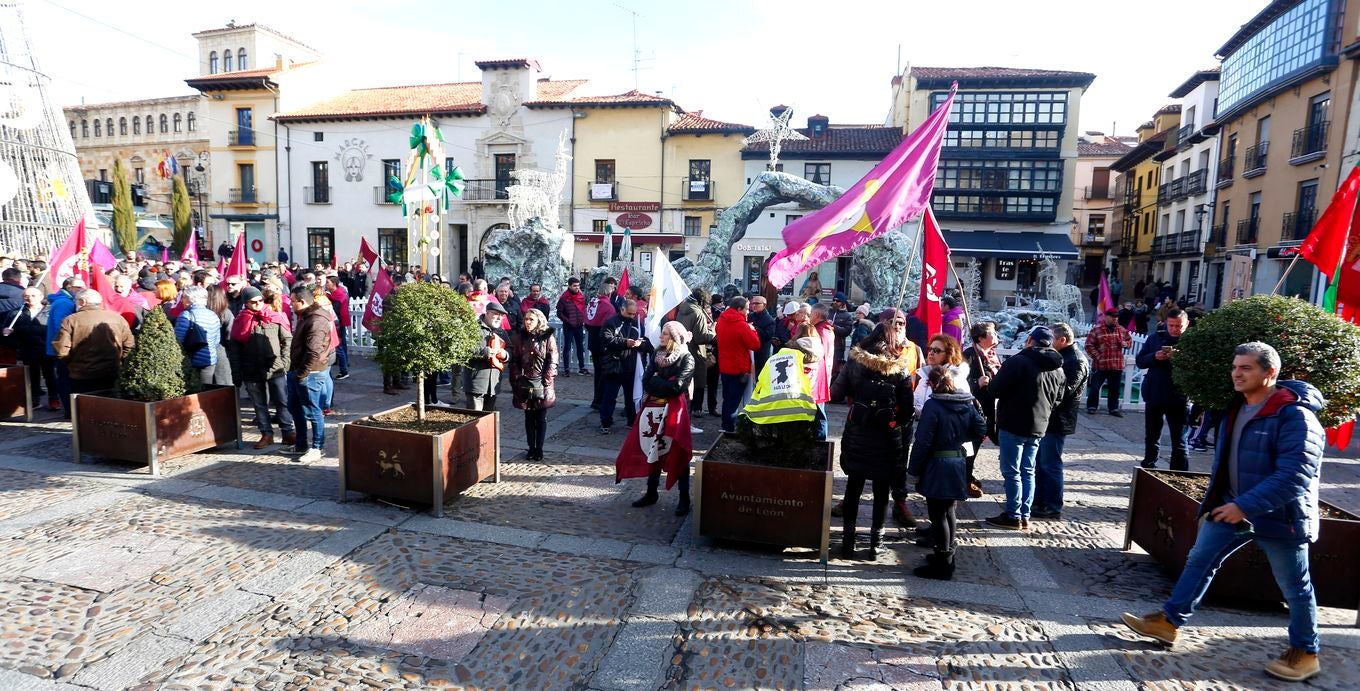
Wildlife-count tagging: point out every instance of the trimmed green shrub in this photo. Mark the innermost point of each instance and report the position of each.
(153, 371)
(1314, 346)
(426, 328)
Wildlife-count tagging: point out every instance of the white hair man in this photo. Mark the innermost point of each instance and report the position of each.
(92, 343)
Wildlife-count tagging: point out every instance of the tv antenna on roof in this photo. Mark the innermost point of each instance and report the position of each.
(637, 52)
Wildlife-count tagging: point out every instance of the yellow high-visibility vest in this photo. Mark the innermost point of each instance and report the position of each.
(783, 391)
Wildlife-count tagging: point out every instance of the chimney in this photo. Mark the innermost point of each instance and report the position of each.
(778, 110)
(817, 125)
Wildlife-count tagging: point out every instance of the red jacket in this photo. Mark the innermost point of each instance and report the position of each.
(737, 339)
(340, 304)
(571, 309)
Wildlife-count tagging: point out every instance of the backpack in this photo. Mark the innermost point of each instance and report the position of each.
(875, 401)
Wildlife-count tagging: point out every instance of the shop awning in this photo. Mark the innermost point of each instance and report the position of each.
(638, 238)
(1022, 245)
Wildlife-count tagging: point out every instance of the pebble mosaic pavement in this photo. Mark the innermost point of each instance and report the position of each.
(241, 569)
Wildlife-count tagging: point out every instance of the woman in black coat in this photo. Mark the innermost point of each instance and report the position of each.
(668, 376)
(983, 364)
(876, 381)
(950, 424)
(533, 371)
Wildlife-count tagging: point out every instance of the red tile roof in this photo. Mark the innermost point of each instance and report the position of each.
(464, 98)
(931, 77)
(838, 141)
(695, 123)
(632, 98)
(1105, 148)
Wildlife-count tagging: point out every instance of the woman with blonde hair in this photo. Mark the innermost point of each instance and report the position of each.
(665, 383)
(942, 352)
(533, 368)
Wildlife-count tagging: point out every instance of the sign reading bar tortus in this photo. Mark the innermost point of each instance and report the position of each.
(626, 207)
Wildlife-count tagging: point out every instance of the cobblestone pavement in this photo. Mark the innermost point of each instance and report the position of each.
(238, 568)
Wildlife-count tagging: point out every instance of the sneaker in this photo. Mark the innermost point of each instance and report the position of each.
(838, 510)
(695, 430)
(584, 372)
(325, 411)
(312, 456)
(1047, 515)
(342, 375)
(1155, 626)
(1294, 665)
(1091, 411)
(54, 405)
(1004, 521)
(604, 430)
(1150, 465)
(566, 374)
(1199, 447)
(292, 450)
(1117, 413)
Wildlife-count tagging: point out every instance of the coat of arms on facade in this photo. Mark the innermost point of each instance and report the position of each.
(353, 157)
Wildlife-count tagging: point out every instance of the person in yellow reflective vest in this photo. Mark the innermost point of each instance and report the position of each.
(783, 391)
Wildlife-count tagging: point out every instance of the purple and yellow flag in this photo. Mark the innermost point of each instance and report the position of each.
(894, 192)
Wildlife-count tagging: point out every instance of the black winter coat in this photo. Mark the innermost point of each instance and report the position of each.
(763, 323)
(617, 358)
(668, 381)
(1158, 388)
(947, 421)
(1027, 388)
(872, 447)
(533, 359)
(1077, 370)
(29, 339)
(11, 296)
(978, 366)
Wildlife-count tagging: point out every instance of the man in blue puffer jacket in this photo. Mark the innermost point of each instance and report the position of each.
(1264, 488)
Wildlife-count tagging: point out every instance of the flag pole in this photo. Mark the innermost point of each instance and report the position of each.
(911, 257)
(1285, 275)
(963, 299)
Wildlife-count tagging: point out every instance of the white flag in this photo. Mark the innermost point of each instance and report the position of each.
(668, 291)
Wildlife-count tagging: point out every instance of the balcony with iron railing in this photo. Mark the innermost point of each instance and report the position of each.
(1096, 192)
(241, 138)
(1133, 198)
(242, 196)
(1225, 171)
(486, 190)
(1310, 143)
(1254, 162)
(1247, 231)
(698, 189)
(1196, 182)
(1164, 194)
(1183, 133)
(603, 191)
(1297, 225)
(381, 192)
(316, 195)
(1219, 234)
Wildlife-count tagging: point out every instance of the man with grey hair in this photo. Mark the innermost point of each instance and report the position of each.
(1048, 469)
(1264, 488)
(92, 343)
(199, 332)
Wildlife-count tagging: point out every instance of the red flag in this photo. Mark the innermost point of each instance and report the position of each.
(112, 300)
(373, 311)
(367, 253)
(934, 269)
(237, 265)
(72, 258)
(333, 260)
(190, 253)
(288, 276)
(1106, 300)
(661, 435)
(623, 282)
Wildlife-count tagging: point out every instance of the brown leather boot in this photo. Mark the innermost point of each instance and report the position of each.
(289, 438)
(265, 442)
(1155, 626)
(1294, 665)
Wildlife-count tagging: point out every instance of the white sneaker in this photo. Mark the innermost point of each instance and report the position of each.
(311, 456)
(695, 430)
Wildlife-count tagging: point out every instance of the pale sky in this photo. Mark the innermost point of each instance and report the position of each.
(731, 58)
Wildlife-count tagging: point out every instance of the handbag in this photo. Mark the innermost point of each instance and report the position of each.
(534, 390)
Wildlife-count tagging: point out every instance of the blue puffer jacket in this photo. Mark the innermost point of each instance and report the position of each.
(207, 330)
(1277, 466)
(1158, 388)
(61, 305)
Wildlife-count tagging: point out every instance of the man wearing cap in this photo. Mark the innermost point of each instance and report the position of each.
(483, 370)
(1105, 346)
(1027, 388)
(1048, 474)
(265, 339)
(842, 325)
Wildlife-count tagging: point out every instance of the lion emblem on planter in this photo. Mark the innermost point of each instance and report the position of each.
(390, 467)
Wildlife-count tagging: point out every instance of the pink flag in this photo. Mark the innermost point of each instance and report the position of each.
(894, 192)
(165, 254)
(190, 253)
(1106, 302)
(373, 311)
(934, 269)
(237, 265)
(101, 254)
(367, 253)
(72, 258)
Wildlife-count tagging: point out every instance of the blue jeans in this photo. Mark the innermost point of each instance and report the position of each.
(573, 337)
(1288, 561)
(1048, 473)
(1017, 468)
(610, 385)
(342, 351)
(305, 397)
(1115, 378)
(823, 427)
(733, 390)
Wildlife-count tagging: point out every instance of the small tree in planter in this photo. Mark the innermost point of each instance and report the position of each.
(154, 412)
(1314, 346)
(426, 328)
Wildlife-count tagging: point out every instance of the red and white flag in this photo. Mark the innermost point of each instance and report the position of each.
(367, 253)
(373, 311)
(934, 270)
(661, 435)
(72, 258)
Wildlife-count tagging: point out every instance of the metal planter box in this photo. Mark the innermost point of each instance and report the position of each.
(15, 394)
(1162, 520)
(417, 466)
(151, 432)
(766, 504)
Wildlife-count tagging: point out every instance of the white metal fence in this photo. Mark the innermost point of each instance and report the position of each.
(1131, 396)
